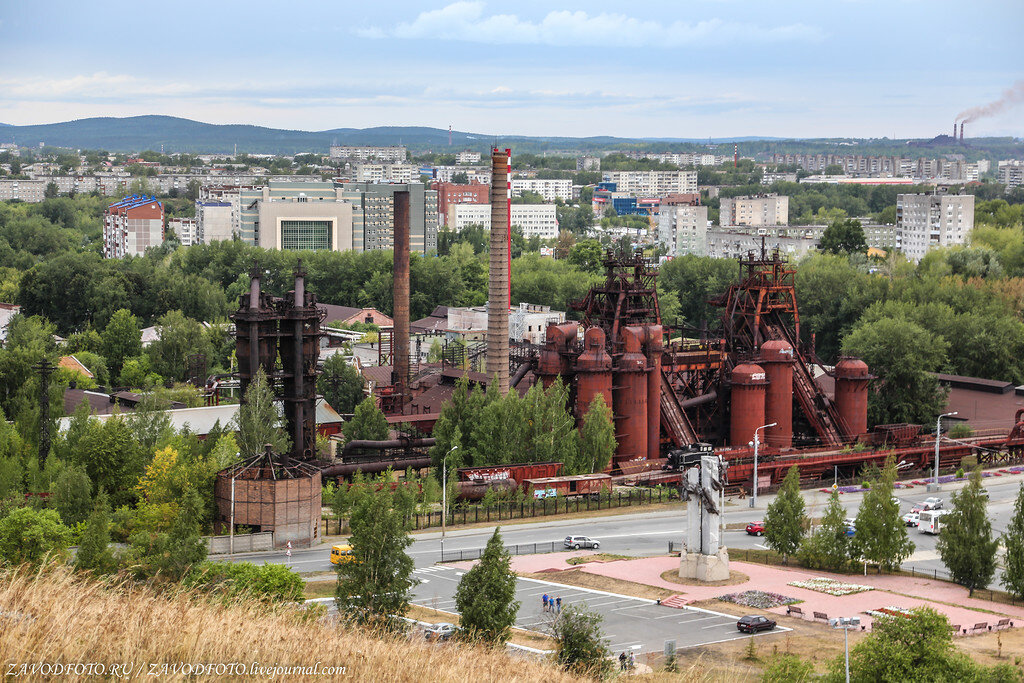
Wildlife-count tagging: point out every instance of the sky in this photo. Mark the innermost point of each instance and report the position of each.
(682, 69)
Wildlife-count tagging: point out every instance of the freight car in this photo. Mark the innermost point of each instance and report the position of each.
(576, 485)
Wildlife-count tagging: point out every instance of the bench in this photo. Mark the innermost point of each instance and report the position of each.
(982, 626)
(1003, 623)
(795, 611)
(821, 615)
(955, 628)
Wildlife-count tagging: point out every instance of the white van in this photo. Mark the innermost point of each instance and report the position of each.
(929, 521)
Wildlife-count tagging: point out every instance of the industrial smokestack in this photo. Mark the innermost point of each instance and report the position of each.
(735, 156)
(400, 351)
(499, 275)
(954, 130)
(962, 131)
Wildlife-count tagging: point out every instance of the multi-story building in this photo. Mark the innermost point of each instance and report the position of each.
(1011, 173)
(215, 221)
(924, 221)
(29, 191)
(305, 223)
(467, 157)
(252, 198)
(772, 177)
(374, 215)
(186, 229)
(535, 220)
(395, 154)
(386, 173)
(474, 174)
(762, 209)
(549, 189)
(450, 193)
(653, 183)
(527, 322)
(683, 227)
(588, 164)
(132, 225)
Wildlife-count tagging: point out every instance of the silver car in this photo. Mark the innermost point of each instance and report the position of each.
(577, 542)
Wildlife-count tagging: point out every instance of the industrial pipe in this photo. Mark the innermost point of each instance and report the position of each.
(400, 346)
(393, 443)
(699, 400)
(345, 469)
(472, 490)
(520, 373)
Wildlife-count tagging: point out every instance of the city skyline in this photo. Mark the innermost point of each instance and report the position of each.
(720, 68)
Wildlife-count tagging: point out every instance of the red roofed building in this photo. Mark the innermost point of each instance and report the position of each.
(132, 225)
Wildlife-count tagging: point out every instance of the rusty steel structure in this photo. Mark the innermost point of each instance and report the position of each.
(268, 328)
(400, 375)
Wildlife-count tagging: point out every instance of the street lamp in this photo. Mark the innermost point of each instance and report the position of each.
(938, 426)
(755, 443)
(846, 623)
(444, 495)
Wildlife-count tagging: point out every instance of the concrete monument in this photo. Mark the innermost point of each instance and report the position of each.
(704, 557)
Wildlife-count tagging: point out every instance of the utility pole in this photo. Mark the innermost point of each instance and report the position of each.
(934, 486)
(45, 368)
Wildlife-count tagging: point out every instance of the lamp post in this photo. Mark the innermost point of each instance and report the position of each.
(444, 496)
(756, 443)
(846, 623)
(938, 426)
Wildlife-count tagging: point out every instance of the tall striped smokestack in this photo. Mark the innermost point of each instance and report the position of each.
(400, 340)
(499, 275)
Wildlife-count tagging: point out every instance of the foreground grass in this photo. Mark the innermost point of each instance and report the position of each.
(57, 616)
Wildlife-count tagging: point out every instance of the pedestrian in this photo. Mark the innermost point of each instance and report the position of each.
(545, 601)
(632, 660)
(622, 661)
(558, 605)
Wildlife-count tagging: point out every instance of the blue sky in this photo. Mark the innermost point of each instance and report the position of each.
(689, 68)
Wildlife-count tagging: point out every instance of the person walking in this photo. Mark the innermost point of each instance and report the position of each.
(558, 605)
(545, 601)
(632, 660)
(622, 661)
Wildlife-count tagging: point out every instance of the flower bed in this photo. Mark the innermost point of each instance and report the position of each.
(831, 586)
(889, 611)
(758, 599)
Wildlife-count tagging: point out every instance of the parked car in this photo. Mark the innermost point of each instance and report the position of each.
(755, 623)
(342, 554)
(755, 528)
(440, 632)
(577, 542)
(912, 518)
(932, 503)
(983, 492)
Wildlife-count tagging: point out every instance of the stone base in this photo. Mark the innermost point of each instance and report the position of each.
(705, 567)
(933, 488)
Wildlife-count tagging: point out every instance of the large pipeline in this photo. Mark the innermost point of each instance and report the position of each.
(393, 443)
(349, 468)
(699, 400)
(520, 373)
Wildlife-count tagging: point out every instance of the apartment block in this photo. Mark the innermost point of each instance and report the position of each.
(186, 230)
(132, 225)
(683, 228)
(215, 221)
(535, 220)
(549, 189)
(653, 183)
(588, 164)
(29, 191)
(395, 154)
(1011, 173)
(474, 174)
(450, 193)
(924, 221)
(467, 157)
(762, 209)
(374, 215)
(386, 173)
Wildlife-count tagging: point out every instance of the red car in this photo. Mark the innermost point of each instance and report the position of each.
(755, 528)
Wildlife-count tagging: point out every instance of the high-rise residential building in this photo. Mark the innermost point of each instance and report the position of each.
(683, 228)
(653, 183)
(474, 174)
(395, 154)
(450, 193)
(132, 225)
(374, 215)
(467, 157)
(186, 230)
(1011, 173)
(535, 220)
(214, 221)
(548, 188)
(386, 173)
(924, 221)
(761, 209)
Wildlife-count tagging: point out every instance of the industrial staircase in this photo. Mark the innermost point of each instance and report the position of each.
(673, 418)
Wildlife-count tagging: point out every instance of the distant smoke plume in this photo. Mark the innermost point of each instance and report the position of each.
(1013, 95)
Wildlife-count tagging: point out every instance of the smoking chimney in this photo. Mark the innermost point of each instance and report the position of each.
(962, 131)
(499, 275)
(400, 340)
(954, 130)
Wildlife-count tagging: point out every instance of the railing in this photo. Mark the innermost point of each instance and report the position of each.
(517, 549)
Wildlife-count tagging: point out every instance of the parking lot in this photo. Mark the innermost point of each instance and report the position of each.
(628, 623)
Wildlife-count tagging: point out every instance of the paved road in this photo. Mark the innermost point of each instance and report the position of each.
(628, 622)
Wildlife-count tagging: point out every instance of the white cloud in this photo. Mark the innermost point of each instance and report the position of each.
(467, 21)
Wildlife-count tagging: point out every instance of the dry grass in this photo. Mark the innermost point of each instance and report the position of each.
(577, 577)
(519, 636)
(672, 576)
(58, 616)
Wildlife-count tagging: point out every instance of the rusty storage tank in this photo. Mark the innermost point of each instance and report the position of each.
(852, 379)
(653, 345)
(777, 361)
(747, 403)
(593, 372)
(629, 398)
(554, 360)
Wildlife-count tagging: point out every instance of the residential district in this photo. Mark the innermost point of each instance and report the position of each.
(622, 412)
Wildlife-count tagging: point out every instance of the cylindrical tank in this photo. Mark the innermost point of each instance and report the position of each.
(653, 345)
(777, 361)
(747, 403)
(629, 397)
(593, 372)
(553, 359)
(852, 378)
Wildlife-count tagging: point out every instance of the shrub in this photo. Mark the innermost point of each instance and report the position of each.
(266, 583)
(28, 535)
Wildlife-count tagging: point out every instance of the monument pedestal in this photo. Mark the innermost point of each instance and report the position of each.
(705, 567)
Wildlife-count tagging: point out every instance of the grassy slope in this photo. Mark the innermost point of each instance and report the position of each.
(57, 616)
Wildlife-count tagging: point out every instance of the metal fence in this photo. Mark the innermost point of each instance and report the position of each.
(517, 549)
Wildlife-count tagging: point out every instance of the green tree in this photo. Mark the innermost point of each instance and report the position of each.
(367, 423)
(966, 545)
(71, 495)
(582, 648)
(785, 521)
(122, 339)
(881, 535)
(94, 552)
(257, 420)
(829, 546)
(341, 384)
(787, 668)
(374, 589)
(486, 595)
(170, 554)
(597, 440)
(1013, 541)
(179, 337)
(28, 536)
(111, 457)
(587, 255)
(844, 237)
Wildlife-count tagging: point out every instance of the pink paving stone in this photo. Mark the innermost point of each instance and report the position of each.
(889, 590)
